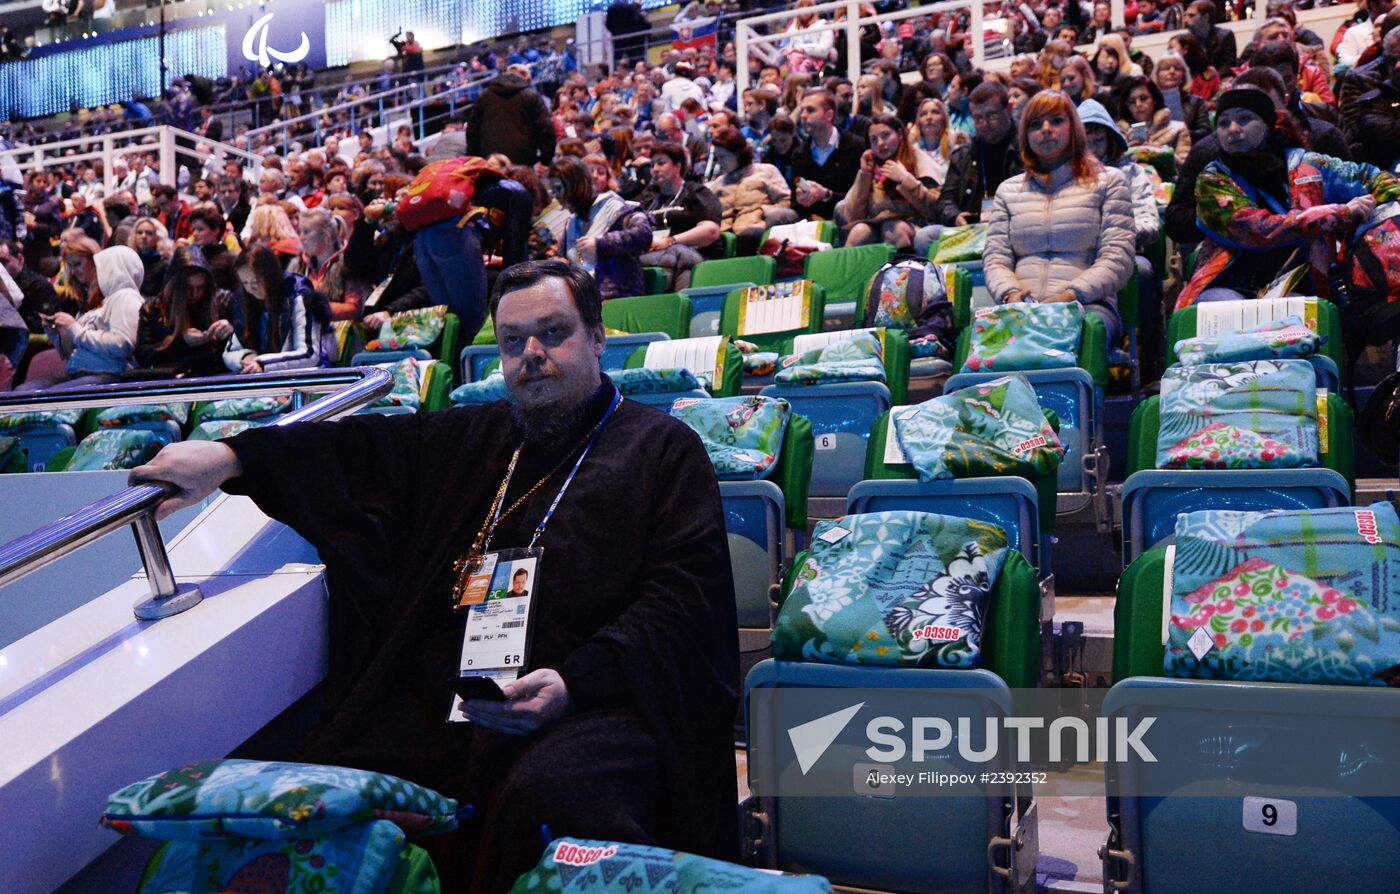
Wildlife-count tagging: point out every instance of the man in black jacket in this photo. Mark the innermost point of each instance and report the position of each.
(1219, 42)
(37, 291)
(825, 162)
(979, 166)
(511, 118)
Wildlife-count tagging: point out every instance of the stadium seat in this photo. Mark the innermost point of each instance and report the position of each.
(771, 333)
(713, 356)
(758, 269)
(654, 280)
(668, 313)
(1220, 743)
(843, 413)
(844, 273)
(1319, 314)
(44, 435)
(1023, 508)
(1076, 395)
(443, 348)
(758, 516)
(433, 391)
(923, 844)
(1152, 498)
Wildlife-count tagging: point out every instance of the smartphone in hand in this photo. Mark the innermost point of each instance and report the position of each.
(481, 688)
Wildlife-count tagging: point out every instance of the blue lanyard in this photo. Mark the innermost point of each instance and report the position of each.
(539, 531)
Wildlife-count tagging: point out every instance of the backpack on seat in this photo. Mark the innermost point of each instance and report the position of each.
(910, 293)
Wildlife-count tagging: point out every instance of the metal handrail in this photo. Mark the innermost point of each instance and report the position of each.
(351, 389)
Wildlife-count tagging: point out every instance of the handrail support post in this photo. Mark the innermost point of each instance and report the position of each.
(167, 597)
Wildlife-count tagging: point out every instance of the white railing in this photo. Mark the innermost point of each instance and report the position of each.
(169, 143)
(748, 41)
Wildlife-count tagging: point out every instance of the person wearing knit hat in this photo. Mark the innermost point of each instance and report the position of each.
(1267, 204)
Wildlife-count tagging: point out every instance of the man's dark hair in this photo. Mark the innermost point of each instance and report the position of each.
(1204, 7)
(582, 287)
(518, 573)
(674, 151)
(1275, 55)
(163, 191)
(989, 90)
(211, 219)
(1264, 79)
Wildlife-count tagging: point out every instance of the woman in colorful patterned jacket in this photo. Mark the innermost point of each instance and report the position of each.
(1267, 204)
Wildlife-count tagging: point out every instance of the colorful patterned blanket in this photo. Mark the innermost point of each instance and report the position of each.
(1256, 414)
(1025, 336)
(1274, 340)
(856, 359)
(896, 588)
(995, 428)
(1308, 596)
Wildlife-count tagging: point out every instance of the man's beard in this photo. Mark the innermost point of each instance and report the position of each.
(548, 424)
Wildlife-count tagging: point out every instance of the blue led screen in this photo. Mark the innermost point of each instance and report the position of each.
(105, 73)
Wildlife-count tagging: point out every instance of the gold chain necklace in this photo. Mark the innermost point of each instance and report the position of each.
(470, 562)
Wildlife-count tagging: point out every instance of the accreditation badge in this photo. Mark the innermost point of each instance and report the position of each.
(496, 637)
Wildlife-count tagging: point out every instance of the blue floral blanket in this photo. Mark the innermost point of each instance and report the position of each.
(859, 358)
(1025, 336)
(1276, 339)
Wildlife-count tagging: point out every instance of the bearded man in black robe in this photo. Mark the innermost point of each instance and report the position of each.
(621, 727)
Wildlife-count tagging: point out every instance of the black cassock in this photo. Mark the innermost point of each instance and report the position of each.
(634, 607)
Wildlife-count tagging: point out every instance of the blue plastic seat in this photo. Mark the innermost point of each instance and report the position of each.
(707, 306)
(875, 840)
(41, 442)
(842, 415)
(1182, 818)
(1152, 498)
(758, 516)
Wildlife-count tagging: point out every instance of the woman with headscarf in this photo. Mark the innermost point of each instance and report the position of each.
(1267, 204)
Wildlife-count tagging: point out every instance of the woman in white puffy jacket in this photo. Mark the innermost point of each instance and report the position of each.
(100, 343)
(1062, 231)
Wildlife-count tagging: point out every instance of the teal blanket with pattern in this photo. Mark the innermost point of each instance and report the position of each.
(1274, 340)
(994, 428)
(1256, 414)
(579, 866)
(490, 389)
(1025, 336)
(742, 435)
(1309, 596)
(892, 588)
(859, 358)
(642, 380)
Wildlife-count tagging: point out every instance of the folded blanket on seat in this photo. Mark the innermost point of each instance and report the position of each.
(1274, 340)
(409, 374)
(113, 449)
(1256, 414)
(16, 421)
(897, 588)
(642, 380)
(243, 408)
(855, 359)
(410, 329)
(995, 428)
(742, 435)
(1024, 336)
(218, 429)
(1309, 596)
(579, 866)
(118, 416)
(490, 389)
(960, 244)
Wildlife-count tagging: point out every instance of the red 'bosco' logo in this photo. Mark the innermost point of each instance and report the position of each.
(1366, 526)
(1031, 444)
(573, 855)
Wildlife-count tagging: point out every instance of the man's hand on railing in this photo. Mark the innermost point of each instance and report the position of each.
(195, 468)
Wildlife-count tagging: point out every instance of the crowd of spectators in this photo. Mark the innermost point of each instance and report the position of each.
(1064, 156)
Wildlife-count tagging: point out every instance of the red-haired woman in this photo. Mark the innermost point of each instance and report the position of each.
(1063, 230)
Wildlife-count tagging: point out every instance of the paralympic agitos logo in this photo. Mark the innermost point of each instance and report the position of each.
(255, 48)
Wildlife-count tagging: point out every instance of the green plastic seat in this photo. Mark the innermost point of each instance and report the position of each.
(771, 341)
(730, 243)
(1320, 315)
(845, 272)
(727, 372)
(1340, 455)
(759, 269)
(654, 280)
(668, 313)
